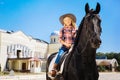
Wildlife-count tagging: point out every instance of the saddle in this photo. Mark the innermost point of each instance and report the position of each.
(65, 54)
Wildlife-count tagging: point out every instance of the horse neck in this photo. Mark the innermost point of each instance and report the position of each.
(82, 41)
(82, 38)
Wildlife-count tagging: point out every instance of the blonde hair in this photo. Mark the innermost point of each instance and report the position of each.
(73, 24)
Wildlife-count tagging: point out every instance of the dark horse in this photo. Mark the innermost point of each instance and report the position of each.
(80, 64)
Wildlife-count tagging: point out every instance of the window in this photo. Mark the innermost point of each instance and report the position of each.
(54, 40)
(36, 63)
(18, 53)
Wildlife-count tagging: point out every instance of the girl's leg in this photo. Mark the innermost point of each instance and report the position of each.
(61, 51)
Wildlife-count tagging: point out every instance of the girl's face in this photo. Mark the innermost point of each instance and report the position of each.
(67, 21)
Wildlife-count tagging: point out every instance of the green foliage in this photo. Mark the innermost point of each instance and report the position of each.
(100, 54)
(118, 68)
(101, 68)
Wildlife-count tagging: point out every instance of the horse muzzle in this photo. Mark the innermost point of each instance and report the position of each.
(95, 43)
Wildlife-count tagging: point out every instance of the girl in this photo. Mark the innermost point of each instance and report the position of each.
(66, 37)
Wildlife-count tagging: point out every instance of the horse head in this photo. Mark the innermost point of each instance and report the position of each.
(92, 24)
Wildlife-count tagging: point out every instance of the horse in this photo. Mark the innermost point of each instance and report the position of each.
(80, 63)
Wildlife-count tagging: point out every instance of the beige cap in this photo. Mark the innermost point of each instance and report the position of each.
(67, 15)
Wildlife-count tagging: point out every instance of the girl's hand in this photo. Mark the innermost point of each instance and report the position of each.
(68, 45)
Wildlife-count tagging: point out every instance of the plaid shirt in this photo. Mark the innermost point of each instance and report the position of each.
(67, 34)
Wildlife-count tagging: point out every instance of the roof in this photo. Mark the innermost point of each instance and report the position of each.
(34, 59)
(106, 62)
(55, 33)
(101, 57)
(6, 31)
(40, 40)
(23, 34)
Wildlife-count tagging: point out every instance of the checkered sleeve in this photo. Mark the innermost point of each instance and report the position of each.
(60, 34)
(74, 33)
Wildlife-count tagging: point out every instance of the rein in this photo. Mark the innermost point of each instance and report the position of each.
(77, 49)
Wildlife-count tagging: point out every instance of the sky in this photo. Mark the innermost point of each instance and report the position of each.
(39, 18)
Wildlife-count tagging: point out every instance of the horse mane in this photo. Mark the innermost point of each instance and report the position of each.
(78, 33)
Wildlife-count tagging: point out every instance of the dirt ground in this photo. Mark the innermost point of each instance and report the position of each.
(102, 76)
(109, 76)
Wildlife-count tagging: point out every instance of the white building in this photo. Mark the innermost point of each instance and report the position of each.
(54, 42)
(21, 52)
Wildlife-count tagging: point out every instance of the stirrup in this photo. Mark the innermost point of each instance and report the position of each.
(54, 70)
(55, 73)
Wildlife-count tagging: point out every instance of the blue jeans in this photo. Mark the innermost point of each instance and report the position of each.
(60, 53)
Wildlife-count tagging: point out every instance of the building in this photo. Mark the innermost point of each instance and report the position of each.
(20, 52)
(54, 42)
(111, 64)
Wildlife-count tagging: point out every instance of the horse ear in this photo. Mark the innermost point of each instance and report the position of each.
(97, 8)
(87, 8)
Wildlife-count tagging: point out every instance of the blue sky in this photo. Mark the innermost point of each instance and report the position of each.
(39, 18)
